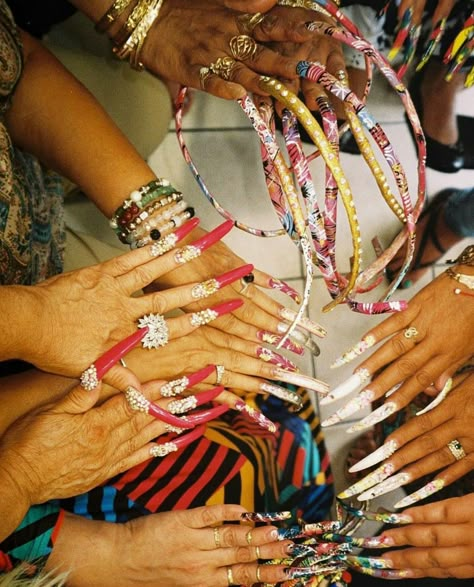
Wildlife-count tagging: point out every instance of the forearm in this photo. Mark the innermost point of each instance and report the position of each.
(55, 118)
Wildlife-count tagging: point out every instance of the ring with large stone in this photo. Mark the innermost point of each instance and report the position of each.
(223, 67)
(456, 449)
(204, 74)
(247, 22)
(243, 47)
(158, 331)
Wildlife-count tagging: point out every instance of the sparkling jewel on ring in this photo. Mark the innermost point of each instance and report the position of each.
(219, 373)
(242, 47)
(158, 331)
(456, 449)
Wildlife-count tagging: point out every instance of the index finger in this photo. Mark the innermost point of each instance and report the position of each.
(206, 516)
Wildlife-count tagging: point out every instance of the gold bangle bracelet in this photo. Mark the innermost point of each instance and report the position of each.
(132, 22)
(108, 19)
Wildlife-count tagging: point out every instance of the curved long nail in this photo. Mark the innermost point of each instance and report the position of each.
(177, 386)
(270, 356)
(211, 286)
(168, 242)
(382, 453)
(186, 404)
(189, 252)
(366, 542)
(378, 415)
(265, 516)
(306, 323)
(282, 393)
(301, 380)
(92, 375)
(370, 480)
(302, 337)
(386, 573)
(165, 448)
(368, 562)
(323, 527)
(425, 491)
(255, 415)
(284, 288)
(271, 338)
(386, 486)
(363, 400)
(357, 379)
(204, 416)
(360, 347)
(205, 316)
(139, 403)
(438, 399)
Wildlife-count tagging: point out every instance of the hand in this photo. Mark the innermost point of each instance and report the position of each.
(179, 548)
(184, 39)
(440, 540)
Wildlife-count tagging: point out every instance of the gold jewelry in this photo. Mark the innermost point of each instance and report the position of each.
(307, 4)
(217, 537)
(259, 578)
(242, 47)
(257, 553)
(247, 22)
(467, 280)
(223, 67)
(411, 332)
(248, 537)
(108, 19)
(456, 449)
(230, 576)
(466, 257)
(204, 74)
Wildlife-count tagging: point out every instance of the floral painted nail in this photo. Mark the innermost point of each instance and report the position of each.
(274, 339)
(301, 380)
(377, 476)
(425, 491)
(304, 322)
(360, 377)
(255, 415)
(265, 516)
(382, 453)
(283, 393)
(284, 288)
(366, 343)
(363, 400)
(378, 415)
(386, 486)
(270, 356)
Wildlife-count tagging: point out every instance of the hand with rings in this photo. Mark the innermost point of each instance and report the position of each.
(439, 541)
(427, 342)
(439, 441)
(197, 547)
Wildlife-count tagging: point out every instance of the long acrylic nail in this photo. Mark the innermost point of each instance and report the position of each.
(302, 550)
(378, 415)
(139, 403)
(92, 375)
(272, 338)
(382, 453)
(360, 377)
(301, 380)
(386, 573)
(273, 358)
(265, 516)
(186, 404)
(165, 448)
(323, 527)
(438, 399)
(385, 517)
(366, 343)
(204, 416)
(377, 476)
(205, 316)
(284, 288)
(305, 322)
(290, 533)
(386, 486)
(211, 286)
(366, 542)
(368, 562)
(425, 491)
(363, 400)
(192, 251)
(302, 337)
(282, 393)
(433, 41)
(168, 242)
(255, 415)
(177, 386)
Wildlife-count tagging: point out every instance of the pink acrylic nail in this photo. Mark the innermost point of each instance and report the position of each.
(177, 386)
(274, 339)
(284, 288)
(255, 415)
(168, 242)
(204, 416)
(301, 380)
(139, 403)
(273, 358)
(211, 286)
(205, 316)
(193, 250)
(188, 403)
(366, 343)
(161, 449)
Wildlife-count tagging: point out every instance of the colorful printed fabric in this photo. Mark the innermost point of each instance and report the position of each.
(235, 462)
(34, 539)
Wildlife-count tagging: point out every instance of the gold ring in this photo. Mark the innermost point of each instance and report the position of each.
(456, 449)
(259, 578)
(242, 47)
(217, 537)
(247, 22)
(257, 552)
(219, 374)
(341, 75)
(204, 74)
(230, 576)
(248, 537)
(411, 332)
(223, 67)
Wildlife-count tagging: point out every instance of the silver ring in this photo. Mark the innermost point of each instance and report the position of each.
(219, 373)
(456, 449)
(411, 332)
(158, 331)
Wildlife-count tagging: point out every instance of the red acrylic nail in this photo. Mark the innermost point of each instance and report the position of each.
(205, 316)
(177, 386)
(214, 235)
(186, 228)
(274, 339)
(207, 396)
(204, 416)
(233, 275)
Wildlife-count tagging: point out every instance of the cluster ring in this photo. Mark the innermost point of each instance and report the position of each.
(243, 47)
(223, 67)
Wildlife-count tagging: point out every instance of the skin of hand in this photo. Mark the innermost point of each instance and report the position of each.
(440, 540)
(68, 447)
(423, 440)
(439, 316)
(188, 554)
(442, 10)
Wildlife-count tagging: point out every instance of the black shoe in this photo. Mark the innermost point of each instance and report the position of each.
(348, 144)
(445, 158)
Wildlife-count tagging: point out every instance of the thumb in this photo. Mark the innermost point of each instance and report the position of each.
(79, 400)
(122, 377)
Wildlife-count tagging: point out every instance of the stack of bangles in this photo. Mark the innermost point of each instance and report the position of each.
(150, 213)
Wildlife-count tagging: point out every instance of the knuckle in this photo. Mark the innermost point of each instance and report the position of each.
(246, 574)
(427, 443)
(423, 378)
(425, 423)
(398, 345)
(228, 537)
(158, 303)
(432, 537)
(243, 555)
(432, 560)
(209, 516)
(405, 367)
(144, 275)
(269, 24)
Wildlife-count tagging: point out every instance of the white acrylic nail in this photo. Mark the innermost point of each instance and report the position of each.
(348, 386)
(362, 400)
(428, 489)
(378, 415)
(368, 481)
(438, 399)
(386, 486)
(301, 380)
(382, 453)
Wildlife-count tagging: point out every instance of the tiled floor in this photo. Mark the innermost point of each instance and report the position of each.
(225, 150)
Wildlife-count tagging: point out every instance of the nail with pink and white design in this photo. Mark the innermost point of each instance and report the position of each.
(386, 486)
(270, 356)
(360, 377)
(377, 476)
(305, 323)
(272, 338)
(301, 380)
(378, 415)
(425, 491)
(364, 399)
(282, 393)
(255, 415)
(284, 288)
(366, 343)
